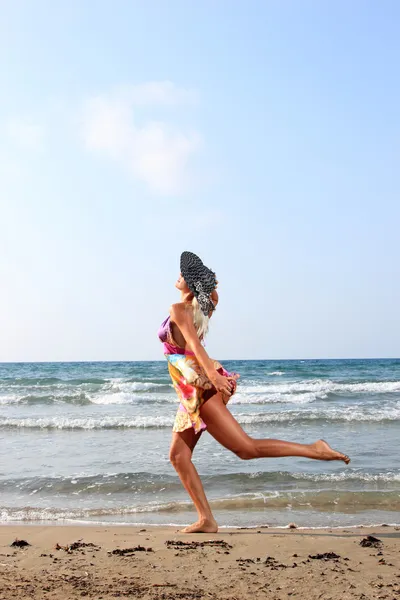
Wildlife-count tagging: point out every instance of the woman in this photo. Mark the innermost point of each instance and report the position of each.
(204, 388)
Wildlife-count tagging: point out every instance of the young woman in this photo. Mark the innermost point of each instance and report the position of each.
(204, 388)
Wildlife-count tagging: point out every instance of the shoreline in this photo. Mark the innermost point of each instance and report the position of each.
(176, 526)
(160, 563)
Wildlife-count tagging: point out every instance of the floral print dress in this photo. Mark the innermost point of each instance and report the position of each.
(190, 381)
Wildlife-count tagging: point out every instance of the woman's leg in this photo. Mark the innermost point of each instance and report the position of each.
(182, 447)
(226, 430)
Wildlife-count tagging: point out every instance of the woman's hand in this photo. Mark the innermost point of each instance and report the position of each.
(222, 384)
(233, 382)
(214, 297)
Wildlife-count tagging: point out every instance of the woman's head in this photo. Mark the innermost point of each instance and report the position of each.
(197, 285)
(181, 285)
(198, 279)
(200, 320)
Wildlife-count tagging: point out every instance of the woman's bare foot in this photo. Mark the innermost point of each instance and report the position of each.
(325, 452)
(202, 526)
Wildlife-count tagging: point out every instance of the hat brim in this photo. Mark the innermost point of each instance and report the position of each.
(200, 279)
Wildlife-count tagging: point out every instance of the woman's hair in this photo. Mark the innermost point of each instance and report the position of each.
(200, 320)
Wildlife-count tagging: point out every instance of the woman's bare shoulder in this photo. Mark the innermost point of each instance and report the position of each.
(179, 309)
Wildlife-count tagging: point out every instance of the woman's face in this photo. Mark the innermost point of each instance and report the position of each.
(181, 284)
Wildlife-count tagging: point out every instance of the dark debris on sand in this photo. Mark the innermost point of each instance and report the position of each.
(371, 542)
(325, 556)
(186, 595)
(246, 560)
(19, 544)
(129, 551)
(274, 565)
(69, 548)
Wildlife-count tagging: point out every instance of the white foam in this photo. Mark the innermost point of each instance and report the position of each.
(116, 398)
(127, 398)
(87, 423)
(301, 392)
(247, 397)
(353, 413)
(121, 391)
(369, 387)
(389, 477)
(326, 386)
(10, 399)
(135, 386)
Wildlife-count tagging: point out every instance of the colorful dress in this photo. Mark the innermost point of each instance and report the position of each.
(189, 380)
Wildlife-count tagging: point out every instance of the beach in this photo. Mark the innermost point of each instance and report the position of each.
(86, 481)
(68, 562)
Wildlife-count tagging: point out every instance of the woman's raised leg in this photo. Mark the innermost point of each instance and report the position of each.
(181, 451)
(226, 430)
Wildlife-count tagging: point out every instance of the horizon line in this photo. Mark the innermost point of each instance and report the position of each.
(50, 362)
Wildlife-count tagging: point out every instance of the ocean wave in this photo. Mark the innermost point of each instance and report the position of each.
(78, 398)
(164, 394)
(248, 396)
(304, 392)
(330, 500)
(128, 398)
(9, 399)
(345, 414)
(145, 483)
(48, 381)
(99, 484)
(86, 398)
(130, 391)
(347, 502)
(84, 391)
(121, 385)
(86, 422)
(326, 386)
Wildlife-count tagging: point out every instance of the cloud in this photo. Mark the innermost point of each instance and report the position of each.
(25, 134)
(154, 151)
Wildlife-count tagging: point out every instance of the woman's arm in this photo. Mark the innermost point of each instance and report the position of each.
(183, 317)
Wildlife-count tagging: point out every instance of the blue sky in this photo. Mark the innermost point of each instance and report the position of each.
(264, 136)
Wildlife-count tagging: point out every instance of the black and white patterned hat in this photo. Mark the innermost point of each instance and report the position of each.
(199, 279)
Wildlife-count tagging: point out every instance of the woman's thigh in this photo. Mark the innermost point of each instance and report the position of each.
(222, 425)
(183, 443)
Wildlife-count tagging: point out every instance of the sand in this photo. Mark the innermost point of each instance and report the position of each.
(236, 564)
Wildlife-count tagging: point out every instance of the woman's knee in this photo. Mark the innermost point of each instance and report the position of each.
(179, 456)
(248, 450)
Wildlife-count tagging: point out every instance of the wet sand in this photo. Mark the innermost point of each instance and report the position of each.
(68, 562)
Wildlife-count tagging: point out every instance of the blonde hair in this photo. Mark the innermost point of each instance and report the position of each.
(200, 320)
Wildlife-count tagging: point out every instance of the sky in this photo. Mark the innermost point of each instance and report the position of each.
(262, 135)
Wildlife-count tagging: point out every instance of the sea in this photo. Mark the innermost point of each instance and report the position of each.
(87, 443)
